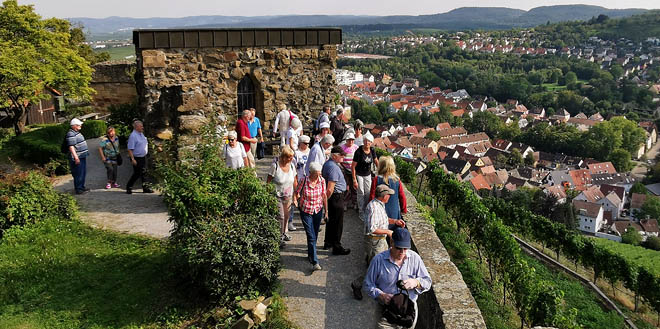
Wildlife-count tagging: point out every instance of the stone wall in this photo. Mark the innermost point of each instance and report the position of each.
(114, 83)
(449, 304)
(181, 89)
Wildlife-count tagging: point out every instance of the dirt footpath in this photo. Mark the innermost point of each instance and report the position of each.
(113, 209)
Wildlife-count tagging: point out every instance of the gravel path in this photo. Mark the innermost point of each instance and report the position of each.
(324, 299)
(113, 209)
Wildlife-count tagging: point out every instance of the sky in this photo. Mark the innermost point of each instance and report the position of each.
(181, 8)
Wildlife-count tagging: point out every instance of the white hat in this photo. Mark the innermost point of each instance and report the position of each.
(232, 134)
(349, 136)
(76, 122)
(324, 125)
(368, 136)
(304, 138)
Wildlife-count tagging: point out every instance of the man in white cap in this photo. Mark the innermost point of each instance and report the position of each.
(78, 153)
(317, 153)
(324, 116)
(138, 151)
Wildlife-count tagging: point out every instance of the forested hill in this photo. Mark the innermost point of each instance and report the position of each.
(636, 28)
(460, 18)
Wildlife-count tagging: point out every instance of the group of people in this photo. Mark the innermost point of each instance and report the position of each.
(109, 150)
(342, 170)
(241, 148)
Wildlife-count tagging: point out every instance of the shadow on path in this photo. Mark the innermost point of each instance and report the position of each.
(142, 213)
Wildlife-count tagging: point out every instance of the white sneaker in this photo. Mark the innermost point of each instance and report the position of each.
(291, 227)
(316, 267)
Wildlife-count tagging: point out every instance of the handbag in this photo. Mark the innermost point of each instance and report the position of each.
(261, 150)
(118, 158)
(400, 310)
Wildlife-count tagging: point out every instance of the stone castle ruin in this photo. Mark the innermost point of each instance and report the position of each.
(187, 77)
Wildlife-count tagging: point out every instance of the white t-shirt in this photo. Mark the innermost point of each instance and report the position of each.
(234, 155)
(292, 135)
(283, 180)
(300, 160)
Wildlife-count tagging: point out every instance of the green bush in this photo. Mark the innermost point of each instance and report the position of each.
(41, 146)
(122, 117)
(93, 128)
(27, 197)
(226, 233)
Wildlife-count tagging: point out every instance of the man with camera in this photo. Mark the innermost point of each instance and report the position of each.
(394, 271)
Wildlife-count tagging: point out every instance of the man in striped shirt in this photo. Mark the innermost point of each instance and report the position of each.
(78, 155)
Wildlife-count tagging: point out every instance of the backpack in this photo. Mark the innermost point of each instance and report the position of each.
(400, 310)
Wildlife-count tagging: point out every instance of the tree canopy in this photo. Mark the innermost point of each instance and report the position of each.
(35, 54)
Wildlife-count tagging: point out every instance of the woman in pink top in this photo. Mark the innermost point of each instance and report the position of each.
(349, 147)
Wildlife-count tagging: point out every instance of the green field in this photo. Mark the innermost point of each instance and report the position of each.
(557, 87)
(649, 259)
(120, 53)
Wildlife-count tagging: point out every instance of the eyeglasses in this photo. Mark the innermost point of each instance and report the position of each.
(232, 139)
(400, 249)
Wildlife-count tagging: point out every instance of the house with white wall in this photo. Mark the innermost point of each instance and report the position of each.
(590, 216)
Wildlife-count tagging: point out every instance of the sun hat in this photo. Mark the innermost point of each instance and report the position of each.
(383, 189)
(76, 122)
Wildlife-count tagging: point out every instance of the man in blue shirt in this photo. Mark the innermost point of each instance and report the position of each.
(138, 148)
(77, 147)
(390, 266)
(254, 125)
(333, 174)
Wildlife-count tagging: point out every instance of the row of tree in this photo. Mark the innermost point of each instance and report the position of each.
(537, 302)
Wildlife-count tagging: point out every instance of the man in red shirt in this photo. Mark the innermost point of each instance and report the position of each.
(243, 133)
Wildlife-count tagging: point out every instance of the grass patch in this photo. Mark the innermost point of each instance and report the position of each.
(640, 256)
(590, 312)
(65, 274)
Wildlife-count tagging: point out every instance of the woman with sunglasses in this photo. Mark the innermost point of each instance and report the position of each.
(234, 152)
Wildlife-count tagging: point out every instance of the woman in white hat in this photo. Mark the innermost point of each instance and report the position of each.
(292, 135)
(349, 147)
(363, 159)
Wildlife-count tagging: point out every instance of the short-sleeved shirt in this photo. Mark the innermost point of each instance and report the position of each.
(283, 180)
(363, 167)
(243, 130)
(300, 159)
(332, 173)
(254, 127)
(110, 147)
(234, 156)
(316, 154)
(138, 144)
(77, 140)
(311, 198)
(376, 217)
(348, 158)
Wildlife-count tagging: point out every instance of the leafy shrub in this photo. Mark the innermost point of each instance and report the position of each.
(122, 117)
(42, 146)
(93, 128)
(226, 233)
(27, 197)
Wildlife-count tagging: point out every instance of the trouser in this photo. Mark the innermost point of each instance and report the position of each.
(139, 172)
(111, 171)
(253, 150)
(250, 158)
(335, 224)
(284, 207)
(350, 199)
(312, 224)
(373, 247)
(79, 172)
(363, 190)
(383, 324)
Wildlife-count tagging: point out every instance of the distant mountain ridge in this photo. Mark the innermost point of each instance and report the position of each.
(460, 18)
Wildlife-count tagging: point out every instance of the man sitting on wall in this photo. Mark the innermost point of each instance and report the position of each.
(389, 267)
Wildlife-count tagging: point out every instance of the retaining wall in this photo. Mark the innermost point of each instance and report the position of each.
(449, 304)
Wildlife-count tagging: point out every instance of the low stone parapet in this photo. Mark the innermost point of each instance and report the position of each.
(449, 304)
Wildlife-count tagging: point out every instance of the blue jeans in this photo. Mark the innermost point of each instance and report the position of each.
(79, 171)
(311, 223)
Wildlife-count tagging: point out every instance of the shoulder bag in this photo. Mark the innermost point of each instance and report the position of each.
(119, 158)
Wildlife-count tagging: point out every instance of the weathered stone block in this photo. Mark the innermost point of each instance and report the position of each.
(192, 101)
(230, 56)
(295, 69)
(237, 73)
(243, 323)
(192, 123)
(153, 58)
(164, 134)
